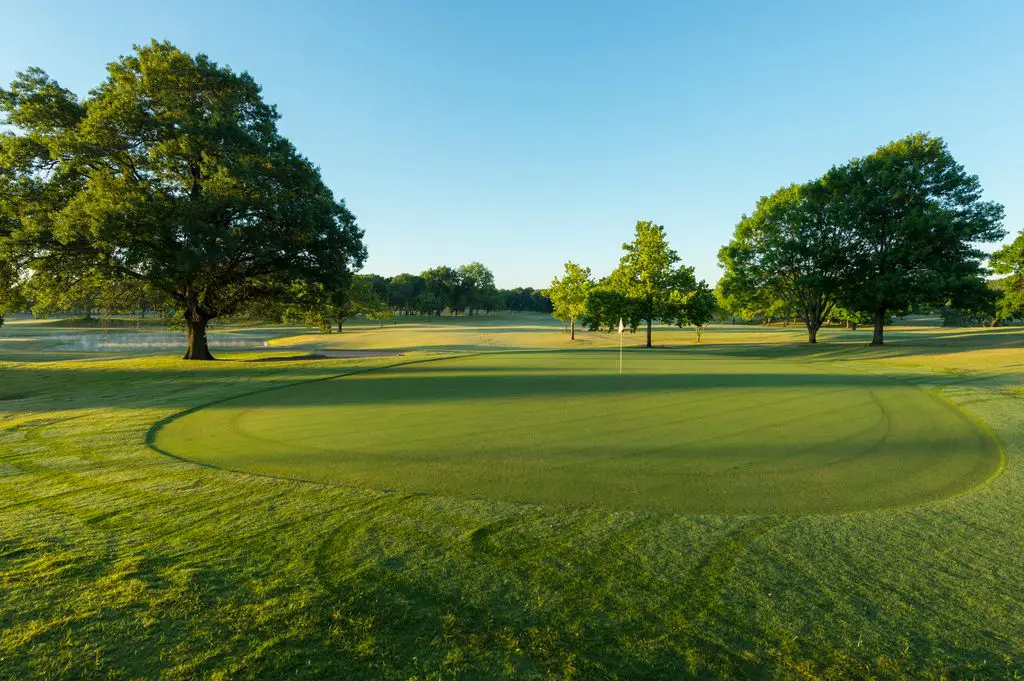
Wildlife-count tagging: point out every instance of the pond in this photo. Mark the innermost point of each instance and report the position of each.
(122, 341)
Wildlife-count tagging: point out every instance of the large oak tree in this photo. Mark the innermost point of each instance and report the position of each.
(915, 216)
(172, 173)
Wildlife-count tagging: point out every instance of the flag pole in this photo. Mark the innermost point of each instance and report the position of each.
(620, 345)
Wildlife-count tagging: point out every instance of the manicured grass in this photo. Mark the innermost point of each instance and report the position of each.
(679, 432)
(117, 562)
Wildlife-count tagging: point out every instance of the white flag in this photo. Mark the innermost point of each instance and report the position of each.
(621, 327)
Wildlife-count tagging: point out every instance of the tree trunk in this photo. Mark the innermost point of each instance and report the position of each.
(812, 333)
(649, 332)
(572, 329)
(341, 326)
(877, 338)
(198, 348)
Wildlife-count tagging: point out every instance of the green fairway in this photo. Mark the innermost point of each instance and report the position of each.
(677, 432)
(120, 563)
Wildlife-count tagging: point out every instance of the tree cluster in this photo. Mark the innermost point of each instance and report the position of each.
(468, 289)
(648, 286)
(871, 238)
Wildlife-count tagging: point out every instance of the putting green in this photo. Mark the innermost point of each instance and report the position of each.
(677, 432)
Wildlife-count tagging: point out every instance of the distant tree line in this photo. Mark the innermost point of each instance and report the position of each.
(468, 289)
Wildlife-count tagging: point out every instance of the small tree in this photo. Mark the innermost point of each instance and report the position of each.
(698, 308)
(648, 277)
(381, 313)
(321, 308)
(569, 295)
(1009, 262)
(851, 319)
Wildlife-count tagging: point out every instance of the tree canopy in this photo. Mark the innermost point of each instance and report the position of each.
(878, 235)
(171, 173)
(1009, 262)
(792, 249)
(699, 307)
(915, 217)
(647, 282)
(569, 294)
(10, 292)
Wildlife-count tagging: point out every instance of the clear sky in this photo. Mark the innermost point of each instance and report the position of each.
(522, 133)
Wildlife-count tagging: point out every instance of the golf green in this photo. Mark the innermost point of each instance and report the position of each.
(675, 432)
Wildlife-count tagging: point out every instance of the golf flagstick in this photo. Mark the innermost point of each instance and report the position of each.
(620, 345)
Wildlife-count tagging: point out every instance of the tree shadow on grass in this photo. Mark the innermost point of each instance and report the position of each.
(185, 384)
(416, 385)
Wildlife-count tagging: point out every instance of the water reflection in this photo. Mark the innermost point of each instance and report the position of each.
(91, 341)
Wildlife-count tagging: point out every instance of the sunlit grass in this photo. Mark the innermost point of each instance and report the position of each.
(677, 432)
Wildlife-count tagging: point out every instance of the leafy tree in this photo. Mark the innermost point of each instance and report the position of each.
(699, 307)
(492, 300)
(606, 305)
(171, 172)
(850, 318)
(647, 276)
(11, 298)
(476, 287)
(403, 292)
(982, 306)
(440, 290)
(791, 250)
(378, 284)
(734, 295)
(84, 292)
(381, 313)
(526, 300)
(321, 308)
(569, 295)
(1009, 262)
(915, 216)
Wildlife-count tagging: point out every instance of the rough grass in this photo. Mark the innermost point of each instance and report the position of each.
(682, 432)
(119, 563)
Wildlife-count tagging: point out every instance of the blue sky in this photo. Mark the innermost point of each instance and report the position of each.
(522, 134)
